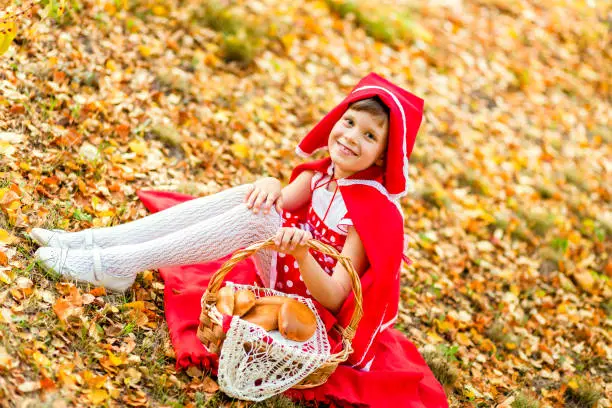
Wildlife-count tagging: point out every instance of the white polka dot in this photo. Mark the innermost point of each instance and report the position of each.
(280, 285)
(281, 255)
(333, 239)
(323, 231)
(301, 280)
(296, 264)
(289, 284)
(288, 214)
(286, 268)
(307, 292)
(318, 223)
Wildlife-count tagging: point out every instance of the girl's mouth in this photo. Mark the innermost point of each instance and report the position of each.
(346, 150)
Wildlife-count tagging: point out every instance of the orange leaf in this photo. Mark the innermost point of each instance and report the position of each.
(122, 131)
(209, 385)
(99, 291)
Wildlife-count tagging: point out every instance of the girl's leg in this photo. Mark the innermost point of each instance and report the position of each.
(117, 266)
(145, 229)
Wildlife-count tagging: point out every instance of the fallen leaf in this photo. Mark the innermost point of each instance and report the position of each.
(209, 385)
(29, 386)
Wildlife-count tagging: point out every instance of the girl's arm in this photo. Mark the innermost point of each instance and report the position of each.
(296, 193)
(330, 291)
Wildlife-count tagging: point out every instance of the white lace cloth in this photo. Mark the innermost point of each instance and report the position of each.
(255, 365)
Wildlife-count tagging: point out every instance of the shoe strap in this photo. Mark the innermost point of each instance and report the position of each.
(89, 239)
(63, 255)
(97, 261)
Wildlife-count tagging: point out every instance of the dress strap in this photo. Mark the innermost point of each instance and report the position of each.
(325, 184)
(330, 202)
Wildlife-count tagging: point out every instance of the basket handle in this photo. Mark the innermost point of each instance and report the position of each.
(210, 296)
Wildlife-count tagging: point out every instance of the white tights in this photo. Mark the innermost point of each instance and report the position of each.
(199, 230)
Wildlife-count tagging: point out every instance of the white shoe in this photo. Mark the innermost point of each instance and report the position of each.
(56, 259)
(52, 238)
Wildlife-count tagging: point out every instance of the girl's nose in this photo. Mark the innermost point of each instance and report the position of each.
(351, 135)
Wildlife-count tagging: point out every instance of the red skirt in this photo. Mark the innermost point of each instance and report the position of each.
(399, 376)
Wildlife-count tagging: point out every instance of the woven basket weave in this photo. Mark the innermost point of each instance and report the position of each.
(211, 334)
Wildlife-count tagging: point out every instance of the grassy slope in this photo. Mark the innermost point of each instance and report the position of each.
(509, 226)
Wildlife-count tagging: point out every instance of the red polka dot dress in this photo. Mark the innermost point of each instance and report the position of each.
(327, 221)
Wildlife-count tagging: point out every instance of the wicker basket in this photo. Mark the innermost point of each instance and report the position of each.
(211, 334)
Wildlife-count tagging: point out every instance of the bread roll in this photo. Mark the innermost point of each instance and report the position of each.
(244, 300)
(271, 300)
(225, 300)
(265, 316)
(296, 321)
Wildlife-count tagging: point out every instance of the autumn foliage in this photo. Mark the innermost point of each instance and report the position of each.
(509, 226)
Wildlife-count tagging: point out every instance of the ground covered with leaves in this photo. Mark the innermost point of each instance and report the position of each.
(510, 223)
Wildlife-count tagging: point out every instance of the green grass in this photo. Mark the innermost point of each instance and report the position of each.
(500, 334)
(435, 197)
(470, 179)
(573, 176)
(241, 38)
(539, 221)
(584, 396)
(441, 367)
(387, 25)
(522, 400)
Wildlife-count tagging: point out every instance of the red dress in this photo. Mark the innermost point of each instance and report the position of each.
(325, 207)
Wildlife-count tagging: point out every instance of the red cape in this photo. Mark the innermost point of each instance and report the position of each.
(399, 376)
(380, 227)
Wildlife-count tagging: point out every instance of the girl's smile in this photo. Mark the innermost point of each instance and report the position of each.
(345, 150)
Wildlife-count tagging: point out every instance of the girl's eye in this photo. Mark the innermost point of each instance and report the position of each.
(349, 121)
(370, 136)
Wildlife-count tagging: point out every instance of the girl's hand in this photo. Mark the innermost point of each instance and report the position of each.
(263, 194)
(292, 241)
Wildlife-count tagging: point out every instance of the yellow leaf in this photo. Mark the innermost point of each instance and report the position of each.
(241, 151)
(98, 396)
(144, 50)
(574, 237)
(137, 305)
(573, 384)
(115, 360)
(110, 65)
(510, 346)
(288, 40)
(463, 339)
(6, 237)
(92, 380)
(5, 147)
(8, 30)
(159, 10)
(138, 147)
(107, 213)
(4, 278)
(40, 359)
(434, 338)
(444, 326)
(61, 7)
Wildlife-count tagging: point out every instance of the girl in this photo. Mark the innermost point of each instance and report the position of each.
(349, 200)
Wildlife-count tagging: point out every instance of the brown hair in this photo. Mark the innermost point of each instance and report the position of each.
(373, 106)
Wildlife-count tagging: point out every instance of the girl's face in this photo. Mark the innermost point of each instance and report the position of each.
(356, 142)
